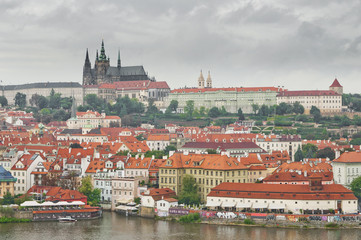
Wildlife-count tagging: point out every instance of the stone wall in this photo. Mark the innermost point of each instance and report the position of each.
(147, 212)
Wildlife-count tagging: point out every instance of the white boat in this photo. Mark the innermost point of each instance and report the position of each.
(67, 219)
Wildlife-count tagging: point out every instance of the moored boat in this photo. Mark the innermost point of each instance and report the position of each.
(67, 219)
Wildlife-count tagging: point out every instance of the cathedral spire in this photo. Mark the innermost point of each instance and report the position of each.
(87, 61)
(97, 57)
(102, 52)
(118, 59)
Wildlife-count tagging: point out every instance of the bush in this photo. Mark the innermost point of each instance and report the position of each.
(249, 221)
(332, 225)
(13, 220)
(190, 218)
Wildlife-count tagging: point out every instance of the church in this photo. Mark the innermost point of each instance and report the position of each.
(104, 73)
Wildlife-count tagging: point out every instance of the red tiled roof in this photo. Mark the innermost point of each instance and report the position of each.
(203, 161)
(158, 85)
(335, 83)
(282, 191)
(158, 193)
(349, 157)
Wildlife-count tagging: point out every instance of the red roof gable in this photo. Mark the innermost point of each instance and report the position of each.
(335, 83)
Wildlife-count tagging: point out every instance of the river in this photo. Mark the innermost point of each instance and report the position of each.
(114, 226)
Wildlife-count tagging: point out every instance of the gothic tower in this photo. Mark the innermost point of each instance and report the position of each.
(201, 81)
(209, 80)
(87, 76)
(119, 62)
(102, 64)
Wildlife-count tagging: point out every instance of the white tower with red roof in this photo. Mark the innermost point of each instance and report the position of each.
(336, 87)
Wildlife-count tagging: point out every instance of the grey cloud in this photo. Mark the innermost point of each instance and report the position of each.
(299, 44)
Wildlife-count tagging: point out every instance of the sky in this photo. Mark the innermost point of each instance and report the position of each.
(298, 44)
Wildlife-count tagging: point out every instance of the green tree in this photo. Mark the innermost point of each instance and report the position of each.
(309, 149)
(345, 121)
(211, 151)
(189, 193)
(95, 102)
(54, 100)
(284, 108)
(314, 110)
(66, 103)
(7, 199)
(88, 190)
(356, 120)
(240, 114)
(20, 99)
(189, 109)
(299, 155)
(298, 108)
(263, 111)
(356, 187)
(169, 148)
(3, 101)
(202, 111)
(255, 108)
(325, 153)
(173, 106)
(214, 112)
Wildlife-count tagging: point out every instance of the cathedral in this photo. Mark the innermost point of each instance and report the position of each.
(104, 73)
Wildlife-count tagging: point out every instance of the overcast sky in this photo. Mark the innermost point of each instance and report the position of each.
(299, 44)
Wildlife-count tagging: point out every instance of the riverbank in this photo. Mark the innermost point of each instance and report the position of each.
(267, 224)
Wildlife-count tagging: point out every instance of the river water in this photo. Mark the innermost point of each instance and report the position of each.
(114, 226)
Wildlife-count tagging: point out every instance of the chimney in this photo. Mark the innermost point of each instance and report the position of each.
(305, 173)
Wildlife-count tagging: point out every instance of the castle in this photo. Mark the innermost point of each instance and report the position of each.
(104, 73)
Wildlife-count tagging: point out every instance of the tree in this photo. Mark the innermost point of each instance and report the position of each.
(309, 149)
(95, 102)
(20, 99)
(189, 193)
(356, 187)
(345, 121)
(189, 109)
(88, 190)
(173, 106)
(298, 108)
(211, 151)
(3, 101)
(169, 148)
(7, 199)
(299, 155)
(284, 108)
(314, 110)
(54, 100)
(240, 114)
(75, 145)
(325, 153)
(66, 103)
(214, 112)
(264, 110)
(255, 108)
(202, 111)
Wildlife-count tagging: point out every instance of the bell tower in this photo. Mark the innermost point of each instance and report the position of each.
(209, 80)
(201, 81)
